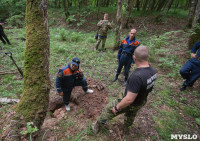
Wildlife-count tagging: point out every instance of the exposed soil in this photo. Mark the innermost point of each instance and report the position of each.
(83, 106)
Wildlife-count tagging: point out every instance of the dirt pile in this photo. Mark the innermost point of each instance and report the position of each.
(85, 106)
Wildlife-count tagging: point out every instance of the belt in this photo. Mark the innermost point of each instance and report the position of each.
(102, 36)
(126, 54)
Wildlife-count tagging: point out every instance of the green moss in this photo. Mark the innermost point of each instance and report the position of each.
(34, 101)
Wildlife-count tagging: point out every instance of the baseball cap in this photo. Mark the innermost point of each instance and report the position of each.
(76, 61)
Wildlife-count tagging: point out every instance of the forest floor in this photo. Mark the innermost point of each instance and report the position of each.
(168, 111)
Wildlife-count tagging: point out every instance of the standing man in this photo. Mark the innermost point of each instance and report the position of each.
(3, 36)
(139, 84)
(125, 54)
(103, 26)
(191, 69)
(68, 77)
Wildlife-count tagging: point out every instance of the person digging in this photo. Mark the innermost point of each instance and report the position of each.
(67, 78)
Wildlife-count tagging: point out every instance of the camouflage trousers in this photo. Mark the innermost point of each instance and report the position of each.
(129, 113)
(103, 40)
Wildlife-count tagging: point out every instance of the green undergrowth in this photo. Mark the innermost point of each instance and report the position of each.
(173, 109)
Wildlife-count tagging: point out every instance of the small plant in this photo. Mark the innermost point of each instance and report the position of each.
(71, 18)
(63, 35)
(17, 20)
(30, 129)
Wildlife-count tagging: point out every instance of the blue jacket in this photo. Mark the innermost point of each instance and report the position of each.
(66, 78)
(196, 50)
(127, 48)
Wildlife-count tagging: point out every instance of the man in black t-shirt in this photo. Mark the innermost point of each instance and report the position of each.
(139, 84)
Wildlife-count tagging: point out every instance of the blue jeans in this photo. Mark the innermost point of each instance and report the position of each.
(67, 92)
(190, 72)
(126, 62)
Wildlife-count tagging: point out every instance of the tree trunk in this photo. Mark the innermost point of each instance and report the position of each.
(33, 104)
(176, 5)
(161, 4)
(130, 9)
(152, 5)
(187, 5)
(145, 5)
(59, 4)
(138, 5)
(69, 3)
(65, 9)
(55, 2)
(98, 9)
(169, 4)
(107, 3)
(191, 13)
(118, 27)
(197, 14)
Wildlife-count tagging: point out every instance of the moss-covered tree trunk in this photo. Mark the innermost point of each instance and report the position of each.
(197, 14)
(36, 86)
(118, 27)
(130, 9)
(195, 36)
(191, 13)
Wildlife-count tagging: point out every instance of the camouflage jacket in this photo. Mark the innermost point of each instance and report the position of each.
(103, 26)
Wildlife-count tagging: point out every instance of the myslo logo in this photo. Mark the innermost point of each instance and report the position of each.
(184, 136)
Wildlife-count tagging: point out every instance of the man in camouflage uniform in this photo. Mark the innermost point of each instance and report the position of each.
(139, 84)
(103, 26)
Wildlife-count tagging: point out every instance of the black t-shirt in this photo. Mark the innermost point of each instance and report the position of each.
(141, 82)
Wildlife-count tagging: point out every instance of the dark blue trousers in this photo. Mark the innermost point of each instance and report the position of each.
(67, 92)
(126, 62)
(3, 37)
(191, 72)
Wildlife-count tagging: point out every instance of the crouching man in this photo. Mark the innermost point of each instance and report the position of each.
(139, 84)
(67, 78)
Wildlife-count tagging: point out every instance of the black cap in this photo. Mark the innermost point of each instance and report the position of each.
(76, 61)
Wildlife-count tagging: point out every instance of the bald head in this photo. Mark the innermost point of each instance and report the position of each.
(141, 53)
(132, 33)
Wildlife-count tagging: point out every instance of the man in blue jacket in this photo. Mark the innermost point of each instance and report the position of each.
(191, 69)
(125, 53)
(67, 78)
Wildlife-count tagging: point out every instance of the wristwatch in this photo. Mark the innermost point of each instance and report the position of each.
(117, 109)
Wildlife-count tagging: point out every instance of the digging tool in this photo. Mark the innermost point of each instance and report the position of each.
(10, 55)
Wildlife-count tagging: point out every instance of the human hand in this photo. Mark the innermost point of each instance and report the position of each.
(61, 94)
(114, 111)
(80, 71)
(117, 60)
(193, 55)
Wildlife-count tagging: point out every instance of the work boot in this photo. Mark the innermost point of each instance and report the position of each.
(115, 78)
(183, 88)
